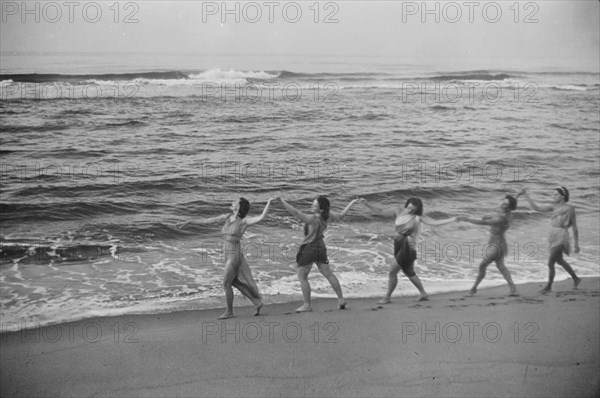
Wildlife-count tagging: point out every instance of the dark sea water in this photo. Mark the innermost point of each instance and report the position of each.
(98, 165)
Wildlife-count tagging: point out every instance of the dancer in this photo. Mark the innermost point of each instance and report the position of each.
(408, 226)
(563, 218)
(237, 272)
(313, 250)
(496, 248)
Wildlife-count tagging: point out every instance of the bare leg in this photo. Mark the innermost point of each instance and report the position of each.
(392, 283)
(506, 274)
(305, 286)
(482, 269)
(417, 282)
(569, 269)
(555, 254)
(334, 282)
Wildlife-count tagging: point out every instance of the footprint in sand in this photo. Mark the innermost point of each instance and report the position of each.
(529, 301)
(494, 304)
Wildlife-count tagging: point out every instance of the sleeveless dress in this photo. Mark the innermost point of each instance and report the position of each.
(498, 240)
(559, 233)
(232, 234)
(312, 249)
(405, 252)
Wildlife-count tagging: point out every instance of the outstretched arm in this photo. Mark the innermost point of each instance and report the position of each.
(435, 223)
(379, 210)
(205, 221)
(485, 220)
(254, 220)
(575, 230)
(532, 203)
(337, 216)
(306, 218)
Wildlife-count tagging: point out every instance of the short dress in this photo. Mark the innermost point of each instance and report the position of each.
(405, 252)
(562, 219)
(498, 240)
(312, 249)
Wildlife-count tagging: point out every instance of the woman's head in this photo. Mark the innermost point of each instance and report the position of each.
(414, 206)
(243, 208)
(564, 192)
(511, 202)
(321, 204)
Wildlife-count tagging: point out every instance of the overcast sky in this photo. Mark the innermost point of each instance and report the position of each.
(556, 29)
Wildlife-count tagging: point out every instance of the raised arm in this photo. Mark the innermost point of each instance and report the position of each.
(575, 230)
(379, 210)
(532, 203)
(338, 216)
(430, 221)
(306, 218)
(254, 220)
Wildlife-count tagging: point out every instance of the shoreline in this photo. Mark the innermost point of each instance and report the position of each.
(405, 290)
(490, 344)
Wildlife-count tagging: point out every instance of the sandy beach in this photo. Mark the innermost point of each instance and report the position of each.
(452, 345)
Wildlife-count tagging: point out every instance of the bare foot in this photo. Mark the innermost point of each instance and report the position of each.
(257, 308)
(513, 293)
(226, 315)
(576, 282)
(423, 297)
(385, 300)
(472, 292)
(341, 305)
(304, 308)
(546, 289)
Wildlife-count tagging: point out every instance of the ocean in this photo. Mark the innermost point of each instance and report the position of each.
(103, 155)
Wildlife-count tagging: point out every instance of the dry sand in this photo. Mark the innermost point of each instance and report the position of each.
(488, 345)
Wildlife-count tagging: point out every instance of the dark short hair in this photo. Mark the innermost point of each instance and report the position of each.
(324, 206)
(417, 203)
(564, 192)
(512, 202)
(244, 208)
